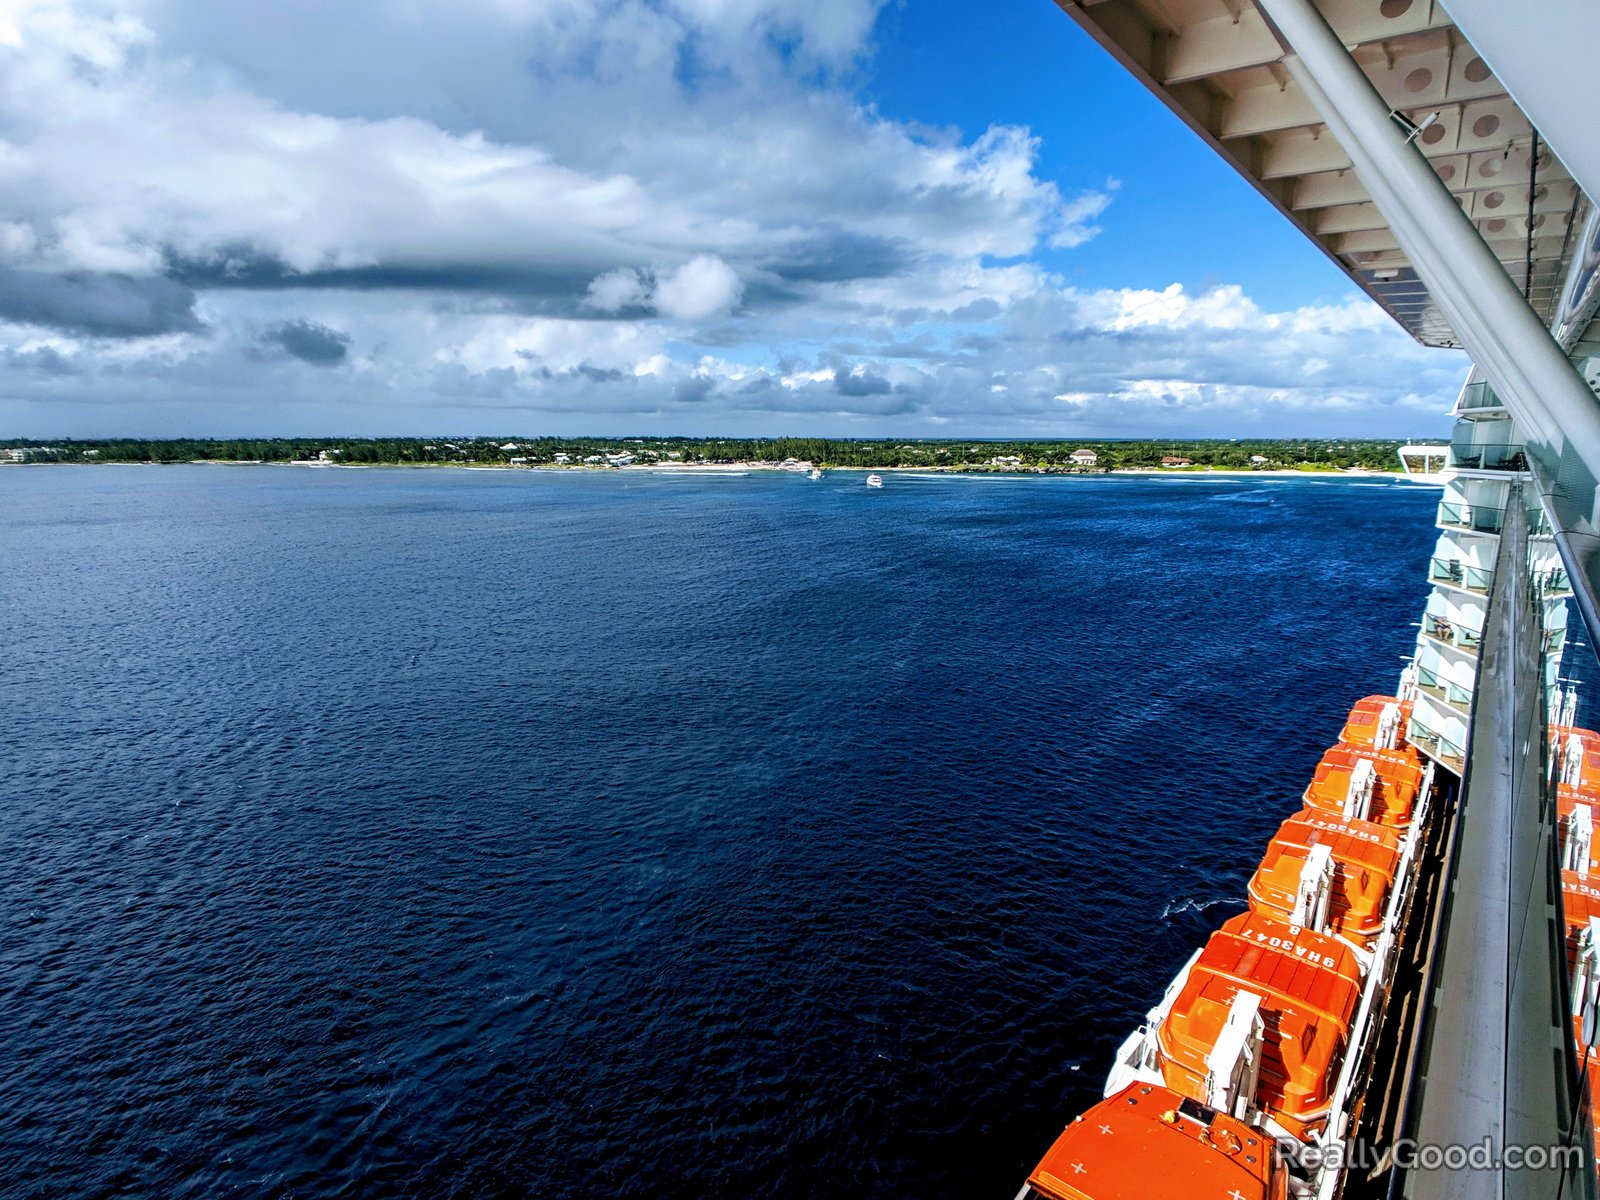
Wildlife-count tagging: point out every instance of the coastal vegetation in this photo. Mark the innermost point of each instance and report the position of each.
(948, 454)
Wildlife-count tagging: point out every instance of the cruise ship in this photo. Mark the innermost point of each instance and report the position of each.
(1407, 1003)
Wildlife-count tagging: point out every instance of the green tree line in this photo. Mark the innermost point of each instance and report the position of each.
(951, 453)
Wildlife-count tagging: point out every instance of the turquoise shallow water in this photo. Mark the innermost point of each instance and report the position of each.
(444, 833)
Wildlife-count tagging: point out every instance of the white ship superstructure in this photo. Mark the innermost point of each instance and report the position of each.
(1418, 968)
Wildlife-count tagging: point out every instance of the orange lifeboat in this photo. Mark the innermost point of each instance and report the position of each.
(1149, 1143)
(1578, 757)
(1378, 722)
(1580, 903)
(1332, 874)
(1384, 790)
(1300, 987)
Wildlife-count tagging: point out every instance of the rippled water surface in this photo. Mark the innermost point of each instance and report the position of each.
(459, 834)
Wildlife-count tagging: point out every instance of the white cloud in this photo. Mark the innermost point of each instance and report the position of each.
(466, 200)
(704, 286)
(618, 289)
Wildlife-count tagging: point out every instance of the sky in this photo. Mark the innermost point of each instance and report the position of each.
(851, 218)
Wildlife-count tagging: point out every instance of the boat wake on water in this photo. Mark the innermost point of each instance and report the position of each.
(1246, 498)
(1194, 904)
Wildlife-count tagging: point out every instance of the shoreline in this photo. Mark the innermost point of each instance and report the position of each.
(1354, 473)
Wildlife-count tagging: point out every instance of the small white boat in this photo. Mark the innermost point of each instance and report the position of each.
(874, 480)
(816, 473)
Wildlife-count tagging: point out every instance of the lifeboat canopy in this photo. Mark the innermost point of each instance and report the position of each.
(1364, 784)
(1305, 986)
(1149, 1143)
(1377, 722)
(1328, 874)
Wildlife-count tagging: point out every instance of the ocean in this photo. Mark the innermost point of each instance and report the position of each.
(441, 833)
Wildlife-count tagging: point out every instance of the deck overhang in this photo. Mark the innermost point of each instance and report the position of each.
(1219, 65)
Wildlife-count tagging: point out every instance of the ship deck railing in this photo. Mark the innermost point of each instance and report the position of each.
(1440, 749)
(1494, 456)
(1552, 584)
(1452, 572)
(1453, 634)
(1456, 696)
(1472, 518)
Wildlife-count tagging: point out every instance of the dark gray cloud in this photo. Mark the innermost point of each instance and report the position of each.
(309, 342)
(839, 255)
(864, 384)
(46, 360)
(544, 288)
(99, 305)
(693, 389)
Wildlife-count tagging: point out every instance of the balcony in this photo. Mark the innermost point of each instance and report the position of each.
(1474, 518)
(1436, 747)
(1477, 402)
(1452, 572)
(1454, 634)
(1496, 456)
(1453, 694)
(1552, 584)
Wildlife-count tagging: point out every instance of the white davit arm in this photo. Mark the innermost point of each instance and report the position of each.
(1580, 836)
(1234, 1063)
(1311, 900)
(1358, 800)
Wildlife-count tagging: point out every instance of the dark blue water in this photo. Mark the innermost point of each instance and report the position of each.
(461, 834)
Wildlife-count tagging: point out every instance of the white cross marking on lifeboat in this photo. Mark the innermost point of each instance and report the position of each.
(1078, 1167)
(1105, 1129)
(1236, 1194)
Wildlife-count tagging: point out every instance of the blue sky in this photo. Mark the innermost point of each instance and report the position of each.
(1181, 214)
(923, 218)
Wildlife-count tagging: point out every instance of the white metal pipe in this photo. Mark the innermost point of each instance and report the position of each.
(1505, 337)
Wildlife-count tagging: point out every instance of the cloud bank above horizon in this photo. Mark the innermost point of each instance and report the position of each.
(587, 216)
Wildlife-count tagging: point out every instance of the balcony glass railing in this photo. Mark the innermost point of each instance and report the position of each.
(1451, 633)
(1440, 747)
(1553, 582)
(1479, 518)
(1492, 457)
(1453, 694)
(1477, 398)
(1458, 574)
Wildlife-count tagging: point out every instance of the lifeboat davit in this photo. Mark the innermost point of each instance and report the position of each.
(1328, 874)
(1577, 753)
(1367, 785)
(1577, 814)
(1263, 1018)
(1149, 1143)
(1378, 722)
